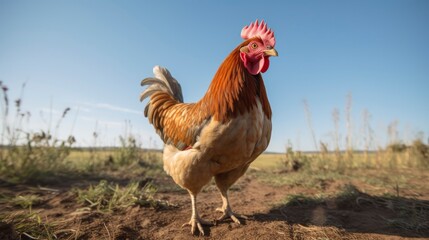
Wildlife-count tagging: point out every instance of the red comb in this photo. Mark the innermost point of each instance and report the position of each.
(259, 30)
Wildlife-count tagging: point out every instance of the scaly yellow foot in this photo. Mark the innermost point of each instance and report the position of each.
(197, 223)
(228, 213)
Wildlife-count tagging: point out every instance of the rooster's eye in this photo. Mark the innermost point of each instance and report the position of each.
(254, 45)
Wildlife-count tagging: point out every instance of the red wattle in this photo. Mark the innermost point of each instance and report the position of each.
(255, 68)
(266, 64)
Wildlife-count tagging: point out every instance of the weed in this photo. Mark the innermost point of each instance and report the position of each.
(128, 152)
(309, 121)
(29, 224)
(302, 200)
(421, 152)
(25, 201)
(294, 160)
(27, 156)
(107, 197)
(395, 155)
(320, 233)
(307, 179)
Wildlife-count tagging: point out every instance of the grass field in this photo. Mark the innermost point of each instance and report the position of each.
(51, 190)
(93, 191)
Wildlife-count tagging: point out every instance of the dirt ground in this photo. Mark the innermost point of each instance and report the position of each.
(268, 215)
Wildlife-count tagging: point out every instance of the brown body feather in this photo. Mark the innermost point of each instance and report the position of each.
(232, 92)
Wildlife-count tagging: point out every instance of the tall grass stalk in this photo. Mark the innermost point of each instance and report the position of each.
(366, 134)
(27, 155)
(336, 121)
(310, 123)
(395, 155)
(349, 140)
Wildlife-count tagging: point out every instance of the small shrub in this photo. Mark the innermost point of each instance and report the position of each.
(421, 152)
(128, 152)
(295, 160)
(397, 147)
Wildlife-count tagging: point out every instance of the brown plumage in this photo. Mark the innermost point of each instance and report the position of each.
(228, 95)
(220, 135)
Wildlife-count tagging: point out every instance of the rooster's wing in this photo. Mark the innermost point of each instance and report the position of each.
(177, 123)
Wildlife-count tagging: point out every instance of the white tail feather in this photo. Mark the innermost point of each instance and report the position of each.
(163, 81)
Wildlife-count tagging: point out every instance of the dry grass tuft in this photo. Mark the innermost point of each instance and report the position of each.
(28, 225)
(107, 197)
(301, 232)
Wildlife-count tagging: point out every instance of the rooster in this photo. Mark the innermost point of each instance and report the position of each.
(220, 135)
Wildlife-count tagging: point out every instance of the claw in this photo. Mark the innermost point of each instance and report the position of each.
(227, 213)
(197, 223)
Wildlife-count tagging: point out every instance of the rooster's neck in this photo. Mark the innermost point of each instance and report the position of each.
(234, 91)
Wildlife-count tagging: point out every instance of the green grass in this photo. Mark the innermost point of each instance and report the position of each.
(40, 156)
(32, 156)
(303, 200)
(303, 179)
(107, 197)
(24, 201)
(383, 169)
(29, 225)
(269, 161)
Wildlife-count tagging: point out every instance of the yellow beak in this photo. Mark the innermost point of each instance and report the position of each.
(272, 52)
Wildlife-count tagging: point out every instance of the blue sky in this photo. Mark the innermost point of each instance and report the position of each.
(91, 55)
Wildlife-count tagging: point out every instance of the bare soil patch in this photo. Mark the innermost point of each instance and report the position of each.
(361, 215)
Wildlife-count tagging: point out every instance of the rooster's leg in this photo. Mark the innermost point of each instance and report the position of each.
(226, 210)
(196, 221)
(224, 181)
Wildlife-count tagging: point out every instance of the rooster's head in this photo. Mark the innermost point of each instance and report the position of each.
(258, 47)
